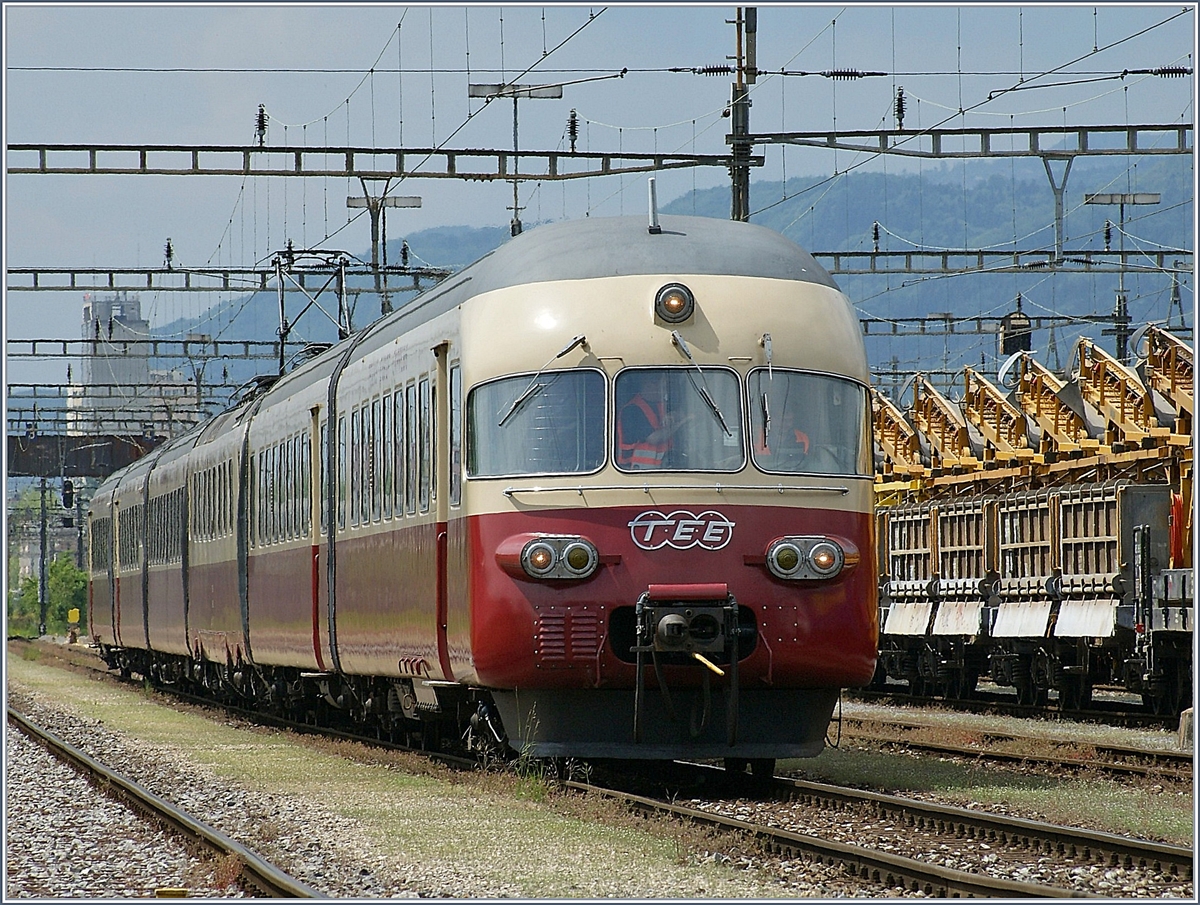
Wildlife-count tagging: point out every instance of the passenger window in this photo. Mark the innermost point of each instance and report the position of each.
(805, 423)
(553, 424)
(678, 419)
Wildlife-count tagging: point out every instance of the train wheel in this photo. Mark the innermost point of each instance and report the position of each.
(763, 768)
(1074, 693)
(736, 764)
(1162, 698)
(960, 684)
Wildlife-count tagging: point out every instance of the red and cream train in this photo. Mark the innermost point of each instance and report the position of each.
(449, 524)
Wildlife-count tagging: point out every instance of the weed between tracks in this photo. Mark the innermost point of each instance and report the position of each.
(226, 871)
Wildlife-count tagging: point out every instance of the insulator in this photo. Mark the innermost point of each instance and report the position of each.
(1108, 235)
(843, 75)
(168, 252)
(725, 69)
(290, 253)
(1171, 72)
(875, 235)
(900, 107)
(260, 124)
(404, 254)
(573, 129)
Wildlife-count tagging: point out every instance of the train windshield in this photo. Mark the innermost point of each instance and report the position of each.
(803, 423)
(678, 419)
(550, 423)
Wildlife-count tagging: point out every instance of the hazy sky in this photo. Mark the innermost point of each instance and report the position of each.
(175, 74)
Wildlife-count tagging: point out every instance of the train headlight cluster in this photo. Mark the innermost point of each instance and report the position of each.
(674, 303)
(808, 558)
(559, 557)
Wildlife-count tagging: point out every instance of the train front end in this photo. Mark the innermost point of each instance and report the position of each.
(668, 495)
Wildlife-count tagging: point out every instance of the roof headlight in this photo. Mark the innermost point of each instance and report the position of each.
(674, 303)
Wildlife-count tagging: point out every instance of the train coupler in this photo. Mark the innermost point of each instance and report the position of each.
(679, 624)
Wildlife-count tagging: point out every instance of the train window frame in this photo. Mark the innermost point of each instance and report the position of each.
(363, 460)
(376, 459)
(355, 467)
(343, 452)
(469, 435)
(424, 439)
(738, 419)
(864, 455)
(296, 502)
(410, 448)
(400, 451)
(261, 502)
(306, 483)
(323, 452)
(456, 434)
(289, 486)
(388, 457)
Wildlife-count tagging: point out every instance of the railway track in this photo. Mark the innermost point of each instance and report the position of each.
(999, 844)
(892, 871)
(992, 745)
(1111, 713)
(256, 875)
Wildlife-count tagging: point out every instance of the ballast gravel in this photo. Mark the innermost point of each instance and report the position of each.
(66, 839)
(327, 850)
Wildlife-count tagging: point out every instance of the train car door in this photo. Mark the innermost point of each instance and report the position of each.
(441, 491)
(319, 502)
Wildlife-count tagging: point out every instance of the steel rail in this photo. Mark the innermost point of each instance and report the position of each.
(1117, 850)
(256, 872)
(1165, 764)
(865, 863)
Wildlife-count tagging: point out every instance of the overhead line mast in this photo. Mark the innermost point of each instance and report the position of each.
(739, 109)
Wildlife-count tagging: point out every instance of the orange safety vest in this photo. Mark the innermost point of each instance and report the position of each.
(643, 453)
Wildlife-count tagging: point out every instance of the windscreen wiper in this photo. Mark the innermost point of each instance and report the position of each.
(534, 386)
(703, 389)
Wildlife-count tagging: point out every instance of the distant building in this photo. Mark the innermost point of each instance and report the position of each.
(119, 393)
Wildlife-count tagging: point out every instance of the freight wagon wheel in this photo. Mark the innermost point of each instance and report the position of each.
(960, 684)
(1164, 697)
(1074, 693)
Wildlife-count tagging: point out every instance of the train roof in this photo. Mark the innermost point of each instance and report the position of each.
(623, 246)
(607, 247)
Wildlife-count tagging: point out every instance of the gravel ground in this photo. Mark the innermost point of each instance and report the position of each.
(58, 823)
(330, 851)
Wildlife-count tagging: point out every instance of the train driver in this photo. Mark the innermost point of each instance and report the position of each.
(645, 425)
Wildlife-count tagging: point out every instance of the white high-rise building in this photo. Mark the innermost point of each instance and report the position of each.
(119, 393)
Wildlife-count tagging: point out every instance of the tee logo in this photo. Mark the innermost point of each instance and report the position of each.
(681, 530)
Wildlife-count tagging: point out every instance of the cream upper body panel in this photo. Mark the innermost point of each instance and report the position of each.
(520, 328)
